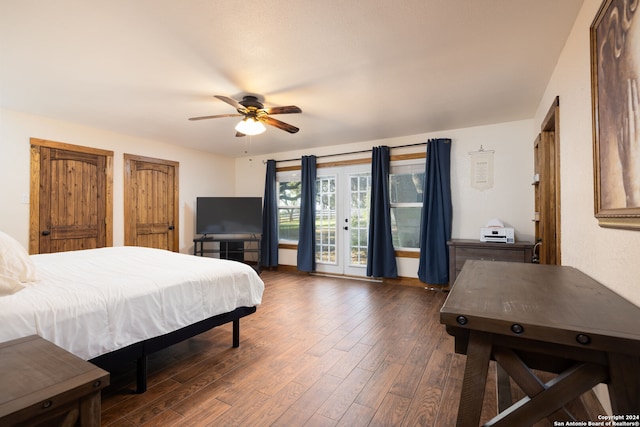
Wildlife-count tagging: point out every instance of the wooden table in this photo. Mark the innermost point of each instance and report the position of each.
(550, 318)
(42, 384)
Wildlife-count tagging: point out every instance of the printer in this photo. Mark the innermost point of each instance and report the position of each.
(495, 231)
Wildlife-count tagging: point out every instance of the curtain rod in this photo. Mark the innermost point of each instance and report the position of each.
(351, 152)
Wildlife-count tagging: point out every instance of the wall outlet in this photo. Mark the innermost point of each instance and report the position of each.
(25, 198)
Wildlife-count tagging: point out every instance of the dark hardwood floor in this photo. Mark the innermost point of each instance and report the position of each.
(319, 351)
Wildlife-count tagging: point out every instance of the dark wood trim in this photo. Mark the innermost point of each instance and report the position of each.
(292, 246)
(547, 199)
(69, 147)
(360, 161)
(549, 122)
(407, 254)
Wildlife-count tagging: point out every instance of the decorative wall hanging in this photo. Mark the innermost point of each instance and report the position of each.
(481, 169)
(615, 71)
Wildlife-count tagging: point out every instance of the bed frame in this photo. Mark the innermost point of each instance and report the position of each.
(139, 352)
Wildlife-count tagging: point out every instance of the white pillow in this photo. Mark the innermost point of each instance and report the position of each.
(15, 262)
(9, 285)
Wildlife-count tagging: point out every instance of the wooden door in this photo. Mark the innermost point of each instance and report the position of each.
(151, 202)
(547, 188)
(71, 204)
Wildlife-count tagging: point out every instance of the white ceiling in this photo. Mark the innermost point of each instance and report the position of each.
(360, 70)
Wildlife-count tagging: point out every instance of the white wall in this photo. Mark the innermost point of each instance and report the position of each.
(201, 174)
(510, 200)
(608, 255)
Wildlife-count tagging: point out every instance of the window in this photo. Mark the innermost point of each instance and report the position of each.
(289, 188)
(406, 184)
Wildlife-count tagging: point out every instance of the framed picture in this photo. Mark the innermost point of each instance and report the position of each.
(615, 77)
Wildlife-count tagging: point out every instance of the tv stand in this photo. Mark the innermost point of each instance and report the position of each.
(244, 249)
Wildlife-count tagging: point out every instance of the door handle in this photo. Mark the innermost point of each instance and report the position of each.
(345, 227)
(171, 227)
(46, 232)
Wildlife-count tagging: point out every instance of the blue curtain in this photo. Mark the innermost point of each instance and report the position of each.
(437, 213)
(269, 243)
(381, 257)
(307, 237)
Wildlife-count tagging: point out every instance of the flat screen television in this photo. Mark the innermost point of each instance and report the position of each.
(228, 215)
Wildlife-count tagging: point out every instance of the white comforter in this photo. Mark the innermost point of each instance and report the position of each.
(95, 301)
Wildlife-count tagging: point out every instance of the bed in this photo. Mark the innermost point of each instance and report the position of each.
(118, 304)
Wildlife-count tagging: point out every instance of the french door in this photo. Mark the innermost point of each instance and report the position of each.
(342, 219)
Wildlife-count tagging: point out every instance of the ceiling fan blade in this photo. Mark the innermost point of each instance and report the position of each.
(215, 116)
(239, 134)
(289, 109)
(280, 125)
(235, 104)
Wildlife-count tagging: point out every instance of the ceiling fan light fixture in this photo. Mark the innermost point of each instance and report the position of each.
(250, 126)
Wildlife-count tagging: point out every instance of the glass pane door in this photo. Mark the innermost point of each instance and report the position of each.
(359, 186)
(326, 215)
(342, 220)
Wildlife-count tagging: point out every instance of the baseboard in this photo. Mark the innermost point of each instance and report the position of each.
(402, 281)
(285, 269)
(415, 282)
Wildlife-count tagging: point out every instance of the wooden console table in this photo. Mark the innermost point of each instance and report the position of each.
(42, 384)
(544, 317)
(462, 250)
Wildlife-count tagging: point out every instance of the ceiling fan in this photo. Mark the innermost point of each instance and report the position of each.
(254, 115)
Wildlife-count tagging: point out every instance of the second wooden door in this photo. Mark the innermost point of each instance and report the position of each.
(151, 202)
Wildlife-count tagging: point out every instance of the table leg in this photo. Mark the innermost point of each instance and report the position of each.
(475, 378)
(624, 383)
(524, 378)
(90, 410)
(505, 398)
(558, 392)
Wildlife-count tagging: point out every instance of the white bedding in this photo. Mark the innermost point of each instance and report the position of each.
(96, 301)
